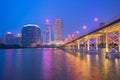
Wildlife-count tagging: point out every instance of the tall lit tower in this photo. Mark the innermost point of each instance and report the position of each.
(31, 34)
(58, 29)
(47, 32)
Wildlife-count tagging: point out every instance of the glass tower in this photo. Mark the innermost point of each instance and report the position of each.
(31, 34)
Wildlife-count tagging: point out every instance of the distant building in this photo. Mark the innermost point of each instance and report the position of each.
(31, 35)
(9, 38)
(2, 40)
(47, 34)
(58, 29)
(18, 39)
(44, 37)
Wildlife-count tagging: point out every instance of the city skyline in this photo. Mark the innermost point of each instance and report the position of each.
(60, 40)
(75, 14)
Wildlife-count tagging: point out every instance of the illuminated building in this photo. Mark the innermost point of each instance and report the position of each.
(9, 38)
(18, 39)
(58, 29)
(47, 33)
(44, 37)
(31, 35)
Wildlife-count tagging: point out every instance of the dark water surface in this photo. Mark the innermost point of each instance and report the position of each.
(55, 64)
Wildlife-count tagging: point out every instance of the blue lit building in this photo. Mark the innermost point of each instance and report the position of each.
(31, 35)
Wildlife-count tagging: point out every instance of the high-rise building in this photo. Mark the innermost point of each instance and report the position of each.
(9, 38)
(31, 35)
(58, 29)
(47, 33)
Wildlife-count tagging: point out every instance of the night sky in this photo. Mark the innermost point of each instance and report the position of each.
(75, 13)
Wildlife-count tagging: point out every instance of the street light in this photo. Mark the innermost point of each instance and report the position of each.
(47, 21)
(77, 32)
(95, 19)
(84, 27)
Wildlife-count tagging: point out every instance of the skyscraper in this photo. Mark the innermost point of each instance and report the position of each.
(47, 31)
(31, 35)
(58, 29)
(47, 34)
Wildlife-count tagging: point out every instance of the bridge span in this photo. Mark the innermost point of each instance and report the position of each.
(106, 36)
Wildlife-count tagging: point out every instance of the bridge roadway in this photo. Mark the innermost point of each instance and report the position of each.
(106, 36)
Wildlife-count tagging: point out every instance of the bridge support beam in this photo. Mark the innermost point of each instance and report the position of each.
(78, 45)
(85, 45)
(119, 41)
(88, 45)
(96, 43)
(107, 44)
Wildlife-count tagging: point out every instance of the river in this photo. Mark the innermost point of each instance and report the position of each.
(56, 64)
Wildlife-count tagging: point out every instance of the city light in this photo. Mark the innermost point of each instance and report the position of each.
(47, 20)
(72, 35)
(84, 27)
(19, 35)
(9, 32)
(96, 19)
(77, 32)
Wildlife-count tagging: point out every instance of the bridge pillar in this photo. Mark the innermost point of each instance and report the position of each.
(96, 43)
(88, 45)
(78, 45)
(107, 47)
(119, 41)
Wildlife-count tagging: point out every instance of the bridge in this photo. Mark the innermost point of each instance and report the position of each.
(107, 36)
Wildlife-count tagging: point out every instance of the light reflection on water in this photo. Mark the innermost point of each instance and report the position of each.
(47, 64)
(55, 64)
(8, 65)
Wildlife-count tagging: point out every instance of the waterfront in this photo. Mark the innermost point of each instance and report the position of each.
(55, 64)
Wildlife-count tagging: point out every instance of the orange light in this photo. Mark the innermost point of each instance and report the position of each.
(19, 35)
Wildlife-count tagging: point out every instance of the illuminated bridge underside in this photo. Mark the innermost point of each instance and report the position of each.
(107, 36)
